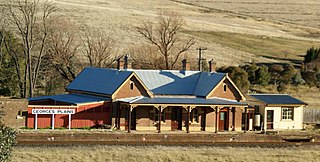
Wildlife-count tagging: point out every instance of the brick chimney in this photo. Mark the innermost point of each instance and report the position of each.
(185, 65)
(120, 63)
(212, 65)
(124, 63)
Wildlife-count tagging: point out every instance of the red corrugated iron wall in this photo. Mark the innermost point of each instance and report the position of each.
(85, 116)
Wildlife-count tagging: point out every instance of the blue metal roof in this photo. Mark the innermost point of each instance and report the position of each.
(174, 82)
(185, 100)
(277, 99)
(99, 80)
(71, 98)
(167, 82)
(207, 81)
(171, 82)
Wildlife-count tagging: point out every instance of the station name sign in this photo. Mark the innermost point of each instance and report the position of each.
(53, 111)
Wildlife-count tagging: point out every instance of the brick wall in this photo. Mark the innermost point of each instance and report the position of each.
(231, 92)
(85, 116)
(125, 91)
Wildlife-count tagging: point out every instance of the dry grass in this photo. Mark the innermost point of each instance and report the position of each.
(281, 49)
(274, 19)
(165, 153)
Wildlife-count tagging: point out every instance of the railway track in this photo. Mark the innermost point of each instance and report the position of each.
(165, 139)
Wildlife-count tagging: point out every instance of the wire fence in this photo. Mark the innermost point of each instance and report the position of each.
(311, 116)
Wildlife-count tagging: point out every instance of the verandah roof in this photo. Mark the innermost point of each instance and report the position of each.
(71, 98)
(181, 101)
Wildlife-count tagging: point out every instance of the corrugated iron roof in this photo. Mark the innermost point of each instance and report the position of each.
(207, 81)
(169, 82)
(71, 98)
(182, 100)
(159, 82)
(174, 82)
(99, 80)
(277, 99)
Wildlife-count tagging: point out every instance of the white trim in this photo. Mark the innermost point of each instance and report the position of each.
(69, 125)
(222, 99)
(136, 99)
(42, 106)
(52, 125)
(36, 122)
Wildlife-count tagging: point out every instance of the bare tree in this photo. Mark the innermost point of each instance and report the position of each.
(98, 49)
(62, 47)
(166, 36)
(146, 57)
(30, 19)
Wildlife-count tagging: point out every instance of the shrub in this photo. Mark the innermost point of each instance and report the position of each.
(312, 54)
(7, 140)
(281, 88)
(239, 77)
(262, 76)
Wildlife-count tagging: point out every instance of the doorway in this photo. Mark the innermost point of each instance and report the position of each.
(176, 119)
(270, 115)
(134, 119)
(223, 120)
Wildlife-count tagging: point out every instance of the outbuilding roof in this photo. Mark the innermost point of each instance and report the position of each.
(71, 98)
(278, 99)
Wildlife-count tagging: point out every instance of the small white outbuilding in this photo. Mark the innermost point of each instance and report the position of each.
(278, 111)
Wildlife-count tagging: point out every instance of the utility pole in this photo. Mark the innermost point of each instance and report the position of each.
(200, 49)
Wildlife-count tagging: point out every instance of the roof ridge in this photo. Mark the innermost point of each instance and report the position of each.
(268, 94)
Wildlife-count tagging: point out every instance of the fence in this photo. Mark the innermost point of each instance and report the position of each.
(311, 116)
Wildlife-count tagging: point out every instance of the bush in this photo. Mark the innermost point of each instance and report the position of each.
(312, 54)
(281, 88)
(7, 140)
(238, 76)
(262, 76)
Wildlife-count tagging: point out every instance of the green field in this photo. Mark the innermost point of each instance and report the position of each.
(165, 153)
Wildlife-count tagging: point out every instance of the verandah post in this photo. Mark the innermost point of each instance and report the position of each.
(216, 123)
(188, 119)
(129, 119)
(159, 119)
(245, 119)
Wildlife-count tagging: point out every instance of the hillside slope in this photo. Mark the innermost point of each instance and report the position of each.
(250, 23)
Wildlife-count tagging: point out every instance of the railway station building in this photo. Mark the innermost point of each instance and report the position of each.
(146, 100)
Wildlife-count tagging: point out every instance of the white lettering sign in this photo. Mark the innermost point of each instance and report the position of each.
(53, 111)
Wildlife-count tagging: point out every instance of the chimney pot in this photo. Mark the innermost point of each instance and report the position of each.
(185, 65)
(123, 63)
(212, 66)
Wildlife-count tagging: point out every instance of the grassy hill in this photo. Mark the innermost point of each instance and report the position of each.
(234, 31)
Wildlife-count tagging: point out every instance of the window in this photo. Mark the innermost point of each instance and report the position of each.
(131, 85)
(224, 87)
(194, 116)
(256, 109)
(156, 115)
(287, 113)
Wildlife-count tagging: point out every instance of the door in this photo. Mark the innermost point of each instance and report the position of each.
(203, 120)
(223, 118)
(269, 119)
(133, 119)
(176, 119)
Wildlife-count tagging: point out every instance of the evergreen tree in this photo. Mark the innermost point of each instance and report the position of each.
(239, 77)
(312, 54)
(262, 76)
